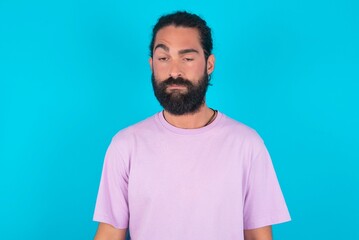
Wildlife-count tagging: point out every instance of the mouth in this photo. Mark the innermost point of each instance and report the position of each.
(176, 87)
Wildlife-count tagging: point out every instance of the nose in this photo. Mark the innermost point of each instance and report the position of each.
(175, 70)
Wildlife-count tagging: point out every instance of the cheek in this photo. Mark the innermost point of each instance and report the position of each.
(160, 70)
(202, 68)
(197, 70)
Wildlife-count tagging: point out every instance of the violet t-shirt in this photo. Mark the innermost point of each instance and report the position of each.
(168, 183)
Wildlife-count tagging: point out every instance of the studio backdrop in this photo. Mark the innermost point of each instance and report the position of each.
(73, 73)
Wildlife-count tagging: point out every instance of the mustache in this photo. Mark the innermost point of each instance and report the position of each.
(177, 81)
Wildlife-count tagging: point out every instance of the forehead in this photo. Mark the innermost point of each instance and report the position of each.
(178, 37)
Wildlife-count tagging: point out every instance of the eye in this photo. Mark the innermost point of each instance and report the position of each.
(188, 59)
(163, 59)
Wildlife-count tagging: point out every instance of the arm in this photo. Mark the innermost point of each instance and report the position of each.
(263, 233)
(108, 232)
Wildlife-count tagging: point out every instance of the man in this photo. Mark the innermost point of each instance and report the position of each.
(188, 172)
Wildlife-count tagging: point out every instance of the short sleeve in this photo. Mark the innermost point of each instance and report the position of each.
(264, 203)
(112, 199)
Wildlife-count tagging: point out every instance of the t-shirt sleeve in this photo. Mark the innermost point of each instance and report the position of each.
(112, 199)
(264, 203)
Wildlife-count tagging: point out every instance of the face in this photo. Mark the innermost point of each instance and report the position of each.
(180, 70)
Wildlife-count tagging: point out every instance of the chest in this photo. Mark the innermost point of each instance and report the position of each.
(186, 174)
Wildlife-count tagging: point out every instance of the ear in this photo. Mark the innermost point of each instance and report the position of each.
(150, 62)
(210, 64)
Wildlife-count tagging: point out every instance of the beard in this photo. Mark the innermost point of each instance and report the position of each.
(177, 102)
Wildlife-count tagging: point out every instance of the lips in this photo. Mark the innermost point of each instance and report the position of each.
(177, 82)
(176, 86)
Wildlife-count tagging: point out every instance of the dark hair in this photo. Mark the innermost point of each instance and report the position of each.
(185, 19)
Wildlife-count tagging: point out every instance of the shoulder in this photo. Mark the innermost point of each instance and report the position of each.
(129, 134)
(124, 143)
(236, 129)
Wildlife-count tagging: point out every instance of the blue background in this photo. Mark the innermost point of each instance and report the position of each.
(74, 72)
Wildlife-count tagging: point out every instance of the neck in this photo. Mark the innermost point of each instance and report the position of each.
(198, 119)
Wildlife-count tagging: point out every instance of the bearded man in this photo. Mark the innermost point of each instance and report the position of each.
(189, 172)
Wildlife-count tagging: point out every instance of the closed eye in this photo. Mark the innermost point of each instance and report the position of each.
(163, 59)
(188, 59)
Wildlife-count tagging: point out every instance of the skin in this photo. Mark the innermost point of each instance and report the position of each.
(108, 232)
(178, 52)
(263, 233)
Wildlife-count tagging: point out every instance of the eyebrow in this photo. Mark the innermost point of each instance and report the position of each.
(164, 47)
(190, 50)
(183, 51)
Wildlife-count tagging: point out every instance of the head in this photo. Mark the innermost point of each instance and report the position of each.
(181, 62)
(186, 20)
